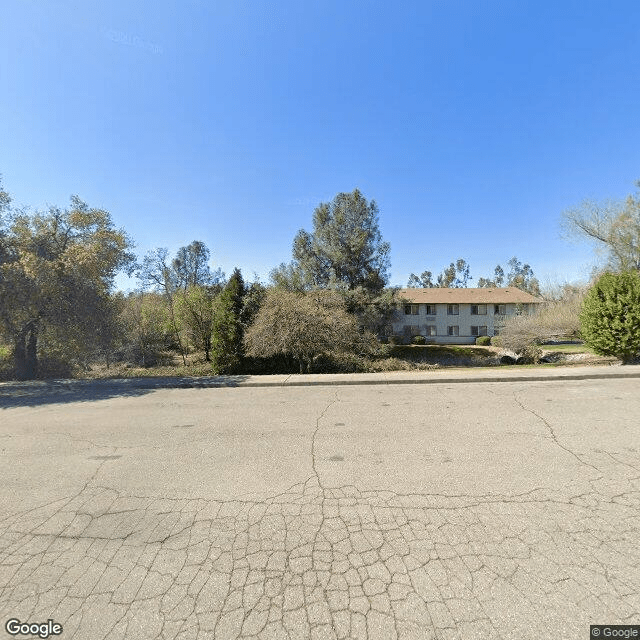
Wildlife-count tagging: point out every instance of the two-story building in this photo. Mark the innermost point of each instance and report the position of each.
(458, 316)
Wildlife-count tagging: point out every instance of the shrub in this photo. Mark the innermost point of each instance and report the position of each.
(610, 316)
(531, 354)
(419, 340)
(395, 340)
(483, 341)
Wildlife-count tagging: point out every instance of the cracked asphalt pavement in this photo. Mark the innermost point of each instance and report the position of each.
(448, 511)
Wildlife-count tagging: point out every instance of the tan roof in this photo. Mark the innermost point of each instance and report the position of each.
(484, 295)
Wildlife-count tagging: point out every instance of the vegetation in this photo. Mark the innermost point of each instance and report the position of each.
(519, 275)
(456, 275)
(554, 320)
(345, 249)
(228, 329)
(613, 226)
(304, 326)
(56, 272)
(59, 314)
(611, 315)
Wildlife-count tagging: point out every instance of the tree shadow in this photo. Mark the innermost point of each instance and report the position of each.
(36, 393)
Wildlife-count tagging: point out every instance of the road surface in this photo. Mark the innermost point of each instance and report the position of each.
(449, 511)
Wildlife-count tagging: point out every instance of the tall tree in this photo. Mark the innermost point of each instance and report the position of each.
(522, 276)
(519, 275)
(56, 272)
(345, 248)
(195, 308)
(496, 281)
(455, 276)
(157, 274)
(613, 226)
(191, 267)
(228, 329)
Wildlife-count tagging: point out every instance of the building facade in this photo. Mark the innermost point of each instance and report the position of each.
(457, 316)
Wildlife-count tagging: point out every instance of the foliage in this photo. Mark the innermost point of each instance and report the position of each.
(610, 316)
(374, 311)
(496, 281)
(519, 275)
(195, 312)
(614, 226)
(483, 341)
(552, 320)
(418, 340)
(290, 277)
(190, 267)
(303, 326)
(145, 328)
(395, 339)
(345, 248)
(227, 331)
(56, 272)
(188, 286)
(455, 276)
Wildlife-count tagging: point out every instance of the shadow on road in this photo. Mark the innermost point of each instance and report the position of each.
(38, 392)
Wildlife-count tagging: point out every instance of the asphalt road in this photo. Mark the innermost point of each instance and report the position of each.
(466, 511)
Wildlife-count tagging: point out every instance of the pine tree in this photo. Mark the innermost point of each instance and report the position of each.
(610, 317)
(228, 330)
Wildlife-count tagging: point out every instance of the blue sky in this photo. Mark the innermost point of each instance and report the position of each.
(472, 124)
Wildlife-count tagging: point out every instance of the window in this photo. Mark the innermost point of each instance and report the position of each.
(431, 330)
(431, 309)
(478, 309)
(500, 309)
(453, 310)
(496, 331)
(479, 331)
(411, 330)
(454, 330)
(410, 309)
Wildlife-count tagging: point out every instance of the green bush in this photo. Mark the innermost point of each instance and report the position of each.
(395, 340)
(610, 316)
(483, 341)
(419, 340)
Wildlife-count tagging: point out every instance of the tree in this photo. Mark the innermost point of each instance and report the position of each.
(610, 316)
(191, 267)
(56, 272)
(302, 326)
(522, 276)
(496, 281)
(290, 277)
(519, 275)
(156, 275)
(423, 281)
(345, 248)
(195, 310)
(455, 276)
(145, 325)
(228, 330)
(614, 226)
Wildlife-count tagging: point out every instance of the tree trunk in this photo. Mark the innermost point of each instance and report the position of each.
(25, 354)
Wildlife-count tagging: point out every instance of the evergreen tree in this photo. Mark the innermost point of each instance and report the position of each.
(610, 317)
(228, 329)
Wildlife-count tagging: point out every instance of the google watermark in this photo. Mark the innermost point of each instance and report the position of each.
(41, 629)
(614, 631)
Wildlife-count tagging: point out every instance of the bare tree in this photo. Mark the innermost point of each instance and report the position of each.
(613, 226)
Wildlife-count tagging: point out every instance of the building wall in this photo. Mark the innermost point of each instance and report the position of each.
(442, 320)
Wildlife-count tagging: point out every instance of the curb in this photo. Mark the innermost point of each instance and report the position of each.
(8, 389)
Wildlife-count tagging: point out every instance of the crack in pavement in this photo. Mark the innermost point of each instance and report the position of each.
(319, 561)
(552, 434)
